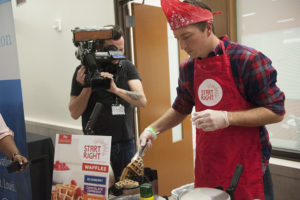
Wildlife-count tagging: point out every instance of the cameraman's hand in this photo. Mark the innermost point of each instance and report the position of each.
(81, 75)
(113, 88)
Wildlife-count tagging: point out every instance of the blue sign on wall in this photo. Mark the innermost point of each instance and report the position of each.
(14, 186)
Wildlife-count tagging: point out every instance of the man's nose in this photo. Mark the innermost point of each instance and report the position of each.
(182, 44)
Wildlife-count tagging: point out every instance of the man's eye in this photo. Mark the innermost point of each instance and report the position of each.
(186, 37)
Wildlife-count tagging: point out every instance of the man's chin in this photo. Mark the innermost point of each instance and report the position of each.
(193, 56)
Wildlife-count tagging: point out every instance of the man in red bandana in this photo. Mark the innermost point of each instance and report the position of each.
(233, 89)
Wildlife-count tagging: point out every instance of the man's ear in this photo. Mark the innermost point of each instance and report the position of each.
(209, 28)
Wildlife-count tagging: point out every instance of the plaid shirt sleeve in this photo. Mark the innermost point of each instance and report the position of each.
(184, 101)
(258, 78)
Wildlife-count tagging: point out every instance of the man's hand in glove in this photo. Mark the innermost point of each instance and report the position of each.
(147, 137)
(210, 120)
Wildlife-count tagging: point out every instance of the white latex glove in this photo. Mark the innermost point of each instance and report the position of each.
(210, 120)
(147, 137)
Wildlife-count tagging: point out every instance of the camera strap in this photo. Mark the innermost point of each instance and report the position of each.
(116, 79)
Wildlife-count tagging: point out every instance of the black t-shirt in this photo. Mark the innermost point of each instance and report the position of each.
(120, 127)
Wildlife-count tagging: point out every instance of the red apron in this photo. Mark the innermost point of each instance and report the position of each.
(218, 152)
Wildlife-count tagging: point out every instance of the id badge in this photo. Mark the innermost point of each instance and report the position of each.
(118, 109)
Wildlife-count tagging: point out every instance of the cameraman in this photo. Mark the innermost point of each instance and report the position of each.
(116, 117)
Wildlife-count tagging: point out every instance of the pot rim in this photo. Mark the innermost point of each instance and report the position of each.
(223, 193)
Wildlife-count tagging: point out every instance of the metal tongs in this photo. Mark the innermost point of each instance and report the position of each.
(139, 153)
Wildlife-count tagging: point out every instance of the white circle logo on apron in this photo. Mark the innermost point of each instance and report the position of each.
(210, 92)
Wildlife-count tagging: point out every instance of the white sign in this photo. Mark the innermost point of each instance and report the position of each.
(81, 167)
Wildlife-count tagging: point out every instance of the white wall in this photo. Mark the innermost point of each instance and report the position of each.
(47, 59)
(149, 2)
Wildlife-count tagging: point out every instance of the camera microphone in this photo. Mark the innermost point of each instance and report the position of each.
(93, 118)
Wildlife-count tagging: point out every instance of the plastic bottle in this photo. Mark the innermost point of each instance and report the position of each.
(146, 192)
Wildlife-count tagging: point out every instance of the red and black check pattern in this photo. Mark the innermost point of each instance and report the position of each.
(255, 79)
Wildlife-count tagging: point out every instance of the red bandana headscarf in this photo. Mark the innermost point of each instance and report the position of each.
(181, 14)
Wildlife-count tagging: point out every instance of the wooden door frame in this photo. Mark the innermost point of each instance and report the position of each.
(121, 13)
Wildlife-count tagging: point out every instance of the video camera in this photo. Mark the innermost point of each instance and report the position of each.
(87, 41)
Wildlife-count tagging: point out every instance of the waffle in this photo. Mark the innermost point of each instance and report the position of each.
(126, 183)
(135, 167)
(66, 192)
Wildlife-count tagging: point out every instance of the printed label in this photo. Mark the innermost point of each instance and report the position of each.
(95, 179)
(65, 139)
(90, 197)
(94, 167)
(210, 92)
(94, 189)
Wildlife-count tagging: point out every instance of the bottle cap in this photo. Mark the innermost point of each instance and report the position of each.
(146, 190)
